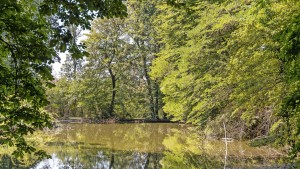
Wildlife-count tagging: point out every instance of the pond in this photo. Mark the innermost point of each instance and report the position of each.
(146, 145)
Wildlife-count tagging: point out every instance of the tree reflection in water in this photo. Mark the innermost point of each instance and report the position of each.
(185, 149)
(138, 146)
(103, 159)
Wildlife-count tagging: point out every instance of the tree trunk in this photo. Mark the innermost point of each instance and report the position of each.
(112, 160)
(82, 114)
(156, 161)
(113, 97)
(156, 108)
(149, 87)
(147, 161)
(74, 68)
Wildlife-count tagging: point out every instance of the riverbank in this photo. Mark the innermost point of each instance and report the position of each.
(111, 121)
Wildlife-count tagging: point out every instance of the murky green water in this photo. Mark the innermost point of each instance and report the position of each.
(137, 146)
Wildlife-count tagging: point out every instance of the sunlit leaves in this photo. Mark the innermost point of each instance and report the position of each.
(230, 60)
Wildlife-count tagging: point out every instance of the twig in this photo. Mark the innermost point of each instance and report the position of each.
(225, 158)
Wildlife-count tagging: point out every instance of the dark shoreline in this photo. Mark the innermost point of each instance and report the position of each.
(112, 121)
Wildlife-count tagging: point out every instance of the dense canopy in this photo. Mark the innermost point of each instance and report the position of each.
(31, 34)
(210, 63)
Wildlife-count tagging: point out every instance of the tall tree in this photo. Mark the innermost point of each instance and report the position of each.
(73, 64)
(143, 35)
(108, 50)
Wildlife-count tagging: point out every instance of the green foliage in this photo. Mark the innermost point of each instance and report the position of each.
(231, 61)
(192, 79)
(113, 81)
(109, 64)
(24, 59)
(289, 47)
(30, 36)
(215, 61)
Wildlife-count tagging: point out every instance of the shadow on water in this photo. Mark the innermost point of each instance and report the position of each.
(136, 146)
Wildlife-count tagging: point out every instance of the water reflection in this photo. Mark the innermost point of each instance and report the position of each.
(108, 146)
(186, 149)
(103, 159)
(145, 146)
(129, 137)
